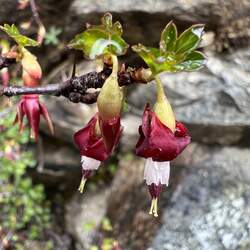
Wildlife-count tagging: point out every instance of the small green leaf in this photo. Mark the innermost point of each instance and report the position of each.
(189, 39)
(101, 39)
(14, 33)
(156, 61)
(52, 34)
(107, 20)
(195, 60)
(168, 37)
(175, 54)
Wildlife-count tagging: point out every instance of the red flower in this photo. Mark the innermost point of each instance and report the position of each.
(157, 141)
(31, 107)
(89, 142)
(159, 145)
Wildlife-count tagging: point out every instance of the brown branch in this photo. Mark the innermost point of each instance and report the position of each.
(35, 12)
(6, 61)
(76, 88)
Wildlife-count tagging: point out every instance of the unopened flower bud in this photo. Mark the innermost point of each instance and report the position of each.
(32, 72)
(162, 107)
(109, 101)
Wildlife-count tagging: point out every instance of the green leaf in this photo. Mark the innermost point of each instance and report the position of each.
(52, 34)
(168, 37)
(101, 39)
(14, 33)
(189, 39)
(174, 54)
(195, 60)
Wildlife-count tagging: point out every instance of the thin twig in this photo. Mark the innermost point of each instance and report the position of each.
(35, 12)
(76, 89)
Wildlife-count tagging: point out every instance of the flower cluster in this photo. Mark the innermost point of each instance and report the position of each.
(161, 138)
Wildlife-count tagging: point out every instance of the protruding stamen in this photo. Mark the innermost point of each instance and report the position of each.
(152, 206)
(155, 207)
(32, 135)
(82, 184)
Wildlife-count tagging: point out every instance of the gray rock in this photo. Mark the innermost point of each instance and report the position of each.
(210, 208)
(83, 215)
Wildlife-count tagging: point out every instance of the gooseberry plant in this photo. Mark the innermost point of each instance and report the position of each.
(161, 137)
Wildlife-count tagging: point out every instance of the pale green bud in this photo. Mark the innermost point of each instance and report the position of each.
(109, 101)
(162, 107)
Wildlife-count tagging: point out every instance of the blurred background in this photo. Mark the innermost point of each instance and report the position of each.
(206, 206)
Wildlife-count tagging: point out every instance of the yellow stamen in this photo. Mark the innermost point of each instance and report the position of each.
(155, 208)
(82, 185)
(32, 134)
(152, 206)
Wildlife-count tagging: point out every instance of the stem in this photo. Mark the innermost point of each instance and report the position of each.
(160, 90)
(35, 12)
(10, 91)
(115, 65)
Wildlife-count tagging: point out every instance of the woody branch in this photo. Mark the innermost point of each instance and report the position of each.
(76, 88)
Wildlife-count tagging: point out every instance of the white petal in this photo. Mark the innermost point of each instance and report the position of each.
(156, 172)
(89, 163)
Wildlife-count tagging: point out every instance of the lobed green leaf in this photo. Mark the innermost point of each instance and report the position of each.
(101, 39)
(168, 37)
(175, 53)
(194, 61)
(189, 39)
(20, 39)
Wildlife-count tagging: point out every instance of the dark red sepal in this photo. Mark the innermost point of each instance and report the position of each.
(155, 190)
(111, 132)
(31, 107)
(90, 144)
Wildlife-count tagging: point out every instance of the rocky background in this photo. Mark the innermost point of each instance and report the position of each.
(207, 206)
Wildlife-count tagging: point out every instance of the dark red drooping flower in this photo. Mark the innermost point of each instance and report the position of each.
(157, 141)
(98, 139)
(32, 108)
(90, 142)
(159, 145)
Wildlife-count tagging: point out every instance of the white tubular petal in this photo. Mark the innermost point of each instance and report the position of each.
(89, 163)
(156, 172)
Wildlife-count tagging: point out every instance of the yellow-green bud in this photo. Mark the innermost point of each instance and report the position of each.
(162, 107)
(109, 101)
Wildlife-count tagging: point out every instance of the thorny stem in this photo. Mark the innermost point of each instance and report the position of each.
(76, 88)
